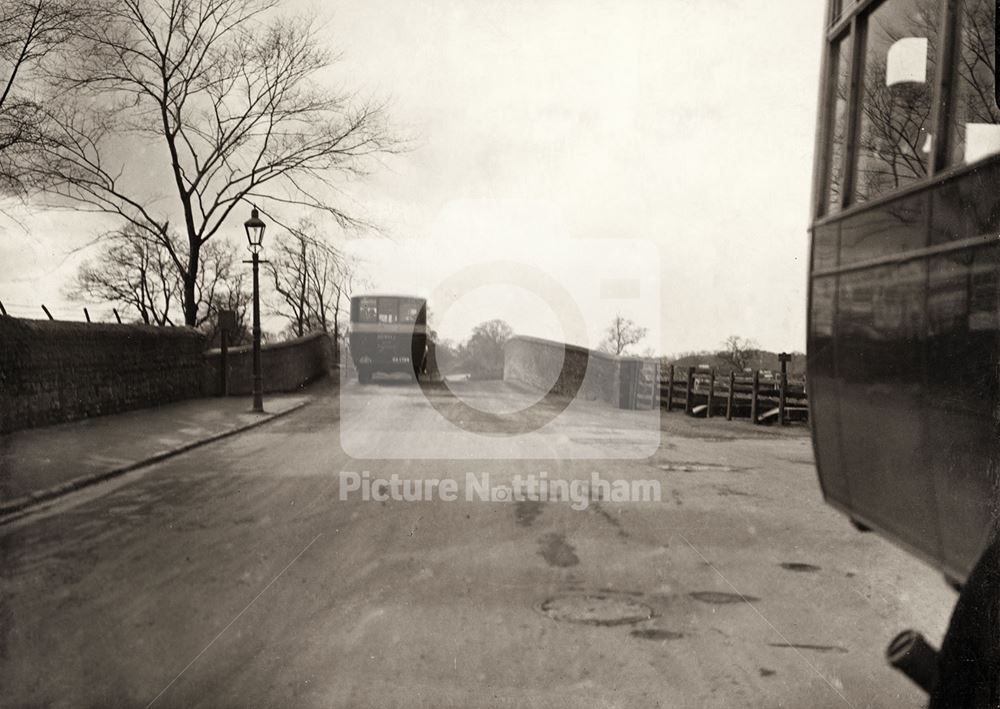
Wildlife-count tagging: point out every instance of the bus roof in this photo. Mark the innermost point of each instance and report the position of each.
(388, 295)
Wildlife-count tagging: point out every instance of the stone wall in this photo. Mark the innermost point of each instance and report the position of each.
(539, 364)
(53, 371)
(285, 366)
(569, 370)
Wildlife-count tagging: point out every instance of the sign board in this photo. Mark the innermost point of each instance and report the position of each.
(227, 320)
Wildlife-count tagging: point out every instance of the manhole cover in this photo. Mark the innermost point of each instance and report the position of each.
(596, 610)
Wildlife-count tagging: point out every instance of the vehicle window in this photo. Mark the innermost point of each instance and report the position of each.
(367, 310)
(894, 142)
(824, 304)
(388, 310)
(975, 122)
(892, 228)
(840, 78)
(948, 293)
(826, 246)
(984, 291)
(409, 309)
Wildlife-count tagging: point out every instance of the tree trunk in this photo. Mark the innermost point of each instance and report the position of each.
(190, 281)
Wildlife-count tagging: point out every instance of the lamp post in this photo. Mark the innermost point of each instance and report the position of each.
(255, 236)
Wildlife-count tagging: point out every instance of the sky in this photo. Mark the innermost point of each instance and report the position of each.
(645, 157)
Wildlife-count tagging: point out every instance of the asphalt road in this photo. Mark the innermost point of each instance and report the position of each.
(235, 576)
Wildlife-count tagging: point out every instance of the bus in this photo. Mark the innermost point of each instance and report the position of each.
(904, 288)
(388, 334)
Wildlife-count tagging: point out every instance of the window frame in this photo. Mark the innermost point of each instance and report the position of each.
(852, 27)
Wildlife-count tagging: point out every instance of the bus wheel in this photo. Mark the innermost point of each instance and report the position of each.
(969, 662)
(364, 376)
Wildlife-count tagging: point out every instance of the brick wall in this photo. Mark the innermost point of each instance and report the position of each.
(285, 366)
(52, 371)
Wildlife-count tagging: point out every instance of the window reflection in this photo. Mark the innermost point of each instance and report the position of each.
(409, 309)
(892, 228)
(984, 292)
(975, 132)
(388, 310)
(840, 70)
(367, 310)
(894, 142)
(823, 306)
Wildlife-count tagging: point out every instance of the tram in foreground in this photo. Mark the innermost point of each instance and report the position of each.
(904, 307)
(388, 334)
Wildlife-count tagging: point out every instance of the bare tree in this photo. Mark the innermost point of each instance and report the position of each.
(132, 271)
(621, 334)
(136, 272)
(739, 352)
(229, 98)
(31, 34)
(312, 280)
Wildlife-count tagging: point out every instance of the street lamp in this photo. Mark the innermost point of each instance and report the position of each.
(255, 236)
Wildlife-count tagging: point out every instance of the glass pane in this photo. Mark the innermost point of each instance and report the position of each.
(825, 247)
(823, 307)
(388, 310)
(408, 310)
(975, 125)
(892, 228)
(367, 310)
(967, 206)
(893, 130)
(840, 78)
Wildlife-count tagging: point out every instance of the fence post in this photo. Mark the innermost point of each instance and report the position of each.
(711, 393)
(753, 396)
(3, 310)
(86, 314)
(784, 358)
(670, 389)
(687, 390)
(117, 316)
(729, 399)
(48, 313)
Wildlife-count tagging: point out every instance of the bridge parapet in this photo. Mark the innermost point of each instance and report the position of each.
(571, 370)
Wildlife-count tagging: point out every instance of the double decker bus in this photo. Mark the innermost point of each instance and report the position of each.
(904, 299)
(388, 334)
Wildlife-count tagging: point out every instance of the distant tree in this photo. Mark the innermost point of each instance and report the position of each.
(739, 352)
(483, 352)
(134, 271)
(312, 281)
(621, 334)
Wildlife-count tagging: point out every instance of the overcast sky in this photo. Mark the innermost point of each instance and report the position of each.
(678, 132)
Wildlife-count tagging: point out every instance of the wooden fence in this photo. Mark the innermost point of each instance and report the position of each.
(762, 396)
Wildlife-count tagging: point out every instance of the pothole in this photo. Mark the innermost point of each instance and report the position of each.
(799, 566)
(699, 468)
(596, 609)
(721, 598)
(656, 634)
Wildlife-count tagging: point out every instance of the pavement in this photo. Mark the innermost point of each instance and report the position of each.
(241, 574)
(40, 464)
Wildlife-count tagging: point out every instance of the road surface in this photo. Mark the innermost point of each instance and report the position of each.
(236, 576)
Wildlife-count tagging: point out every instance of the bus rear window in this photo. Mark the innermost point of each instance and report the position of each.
(409, 310)
(367, 310)
(388, 310)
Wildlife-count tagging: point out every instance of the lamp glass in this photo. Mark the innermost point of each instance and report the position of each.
(255, 230)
